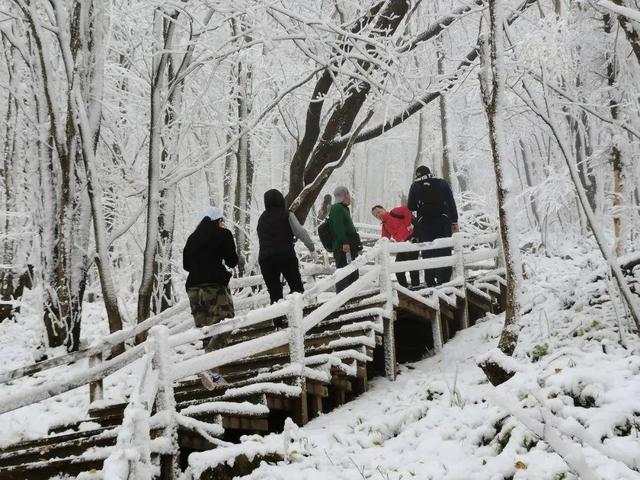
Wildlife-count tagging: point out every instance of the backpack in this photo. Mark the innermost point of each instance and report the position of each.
(431, 203)
(326, 235)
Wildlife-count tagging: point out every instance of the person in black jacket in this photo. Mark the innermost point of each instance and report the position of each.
(208, 281)
(436, 214)
(277, 231)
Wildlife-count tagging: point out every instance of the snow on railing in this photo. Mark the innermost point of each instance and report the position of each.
(103, 345)
(440, 262)
(131, 457)
(268, 342)
(379, 273)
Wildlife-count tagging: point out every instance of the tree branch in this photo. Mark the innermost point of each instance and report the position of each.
(429, 97)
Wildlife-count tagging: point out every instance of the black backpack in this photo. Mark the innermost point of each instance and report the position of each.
(431, 203)
(326, 235)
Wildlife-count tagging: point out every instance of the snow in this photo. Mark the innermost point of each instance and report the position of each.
(630, 13)
(429, 302)
(231, 408)
(251, 447)
(373, 312)
(441, 419)
(339, 355)
(508, 364)
(292, 370)
(266, 387)
(573, 404)
(368, 340)
(19, 344)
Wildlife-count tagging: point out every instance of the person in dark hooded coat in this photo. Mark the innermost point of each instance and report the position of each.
(208, 253)
(432, 201)
(278, 230)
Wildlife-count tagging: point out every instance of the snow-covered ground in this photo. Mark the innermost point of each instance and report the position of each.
(21, 344)
(442, 420)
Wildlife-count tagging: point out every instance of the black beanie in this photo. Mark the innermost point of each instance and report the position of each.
(423, 171)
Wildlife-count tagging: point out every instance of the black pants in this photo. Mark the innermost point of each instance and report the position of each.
(414, 274)
(341, 261)
(275, 266)
(437, 276)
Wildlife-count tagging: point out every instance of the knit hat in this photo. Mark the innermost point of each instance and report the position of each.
(423, 171)
(340, 193)
(214, 213)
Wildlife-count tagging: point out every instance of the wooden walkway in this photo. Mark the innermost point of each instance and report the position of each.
(313, 371)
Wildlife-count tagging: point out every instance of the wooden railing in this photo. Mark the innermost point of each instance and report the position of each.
(375, 264)
(159, 371)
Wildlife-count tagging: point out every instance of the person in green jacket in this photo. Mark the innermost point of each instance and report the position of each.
(346, 243)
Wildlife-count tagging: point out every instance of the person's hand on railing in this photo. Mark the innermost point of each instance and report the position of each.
(455, 228)
(346, 248)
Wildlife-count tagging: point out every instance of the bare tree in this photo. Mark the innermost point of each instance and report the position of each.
(492, 85)
(66, 149)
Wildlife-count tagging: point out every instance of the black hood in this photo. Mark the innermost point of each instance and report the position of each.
(273, 199)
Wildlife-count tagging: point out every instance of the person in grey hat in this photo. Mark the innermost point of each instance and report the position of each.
(208, 254)
(346, 241)
(436, 215)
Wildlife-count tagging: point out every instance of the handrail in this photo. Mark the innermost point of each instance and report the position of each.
(268, 342)
(258, 280)
(440, 262)
(380, 271)
(121, 336)
(342, 273)
(107, 342)
(52, 388)
(229, 325)
(447, 242)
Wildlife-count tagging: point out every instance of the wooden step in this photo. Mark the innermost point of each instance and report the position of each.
(57, 446)
(190, 391)
(325, 343)
(72, 465)
(45, 469)
(245, 415)
(243, 335)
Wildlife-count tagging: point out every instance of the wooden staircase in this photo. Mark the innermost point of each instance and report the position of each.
(342, 352)
(261, 393)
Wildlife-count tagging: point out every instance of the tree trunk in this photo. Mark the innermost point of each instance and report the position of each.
(419, 158)
(529, 180)
(493, 94)
(163, 293)
(446, 163)
(8, 276)
(615, 155)
(317, 151)
(65, 244)
(244, 168)
(163, 34)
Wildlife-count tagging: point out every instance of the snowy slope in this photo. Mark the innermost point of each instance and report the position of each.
(442, 420)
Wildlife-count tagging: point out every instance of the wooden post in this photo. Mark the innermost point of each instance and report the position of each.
(460, 273)
(436, 329)
(297, 353)
(386, 289)
(165, 400)
(96, 389)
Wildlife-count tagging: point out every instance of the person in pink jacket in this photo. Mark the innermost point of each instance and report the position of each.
(397, 226)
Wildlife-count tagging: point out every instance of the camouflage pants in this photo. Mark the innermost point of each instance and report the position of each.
(209, 305)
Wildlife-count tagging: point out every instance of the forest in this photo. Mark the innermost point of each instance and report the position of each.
(124, 120)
